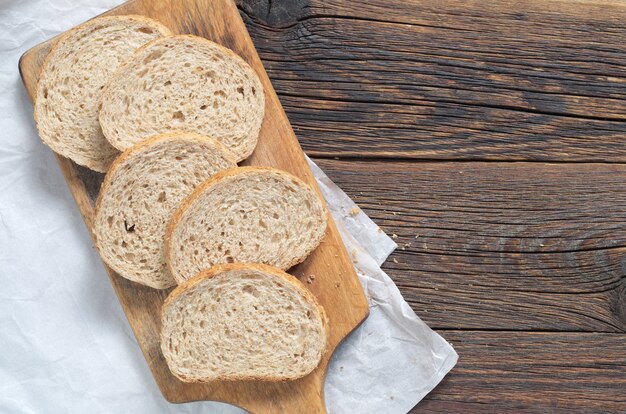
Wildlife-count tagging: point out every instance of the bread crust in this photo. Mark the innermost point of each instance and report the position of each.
(135, 150)
(263, 268)
(165, 31)
(216, 179)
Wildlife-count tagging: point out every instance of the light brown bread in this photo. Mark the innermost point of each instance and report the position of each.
(141, 191)
(242, 322)
(71, 82)
(248, 214)
(184, 83)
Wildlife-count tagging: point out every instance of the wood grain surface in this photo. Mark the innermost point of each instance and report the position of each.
(336, 285)
(532, 372)
(496, 80)
(513, 246)
(521, 265)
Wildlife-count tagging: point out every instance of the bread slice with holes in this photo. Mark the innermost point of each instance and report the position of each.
(141, 191)
(247, 214)
(184, 83)
(242, 322)
(72, 79)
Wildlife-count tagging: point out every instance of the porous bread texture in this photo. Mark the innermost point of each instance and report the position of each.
(72, 79)
(141, 191)
(242, 322)
(184, 83)
(247, 214)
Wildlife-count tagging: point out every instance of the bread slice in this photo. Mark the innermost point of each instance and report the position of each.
(247, 214)
(71, 82)
(184, 83)
(141, 191)
(242, 322)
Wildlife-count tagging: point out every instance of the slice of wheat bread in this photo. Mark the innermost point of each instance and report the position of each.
(72, 79)
(184, 83)
(247, 214)
(242, 322)
(141, 191)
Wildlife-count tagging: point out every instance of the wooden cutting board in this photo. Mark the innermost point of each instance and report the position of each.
(335, 283)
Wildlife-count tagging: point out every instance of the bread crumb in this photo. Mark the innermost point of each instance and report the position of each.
(354, 253)
(417, 235)
(355, 210)
(394, 236)
(395, 260)
(394, 213)
(310, 279)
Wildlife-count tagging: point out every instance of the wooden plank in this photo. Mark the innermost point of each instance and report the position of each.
(531, 372)
(528, 80)
(514, 246)
(336, 285)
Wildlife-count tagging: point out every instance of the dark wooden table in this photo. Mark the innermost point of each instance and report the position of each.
(490, 137)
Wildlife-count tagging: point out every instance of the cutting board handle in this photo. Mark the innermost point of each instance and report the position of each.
(306, 396)
(307, 406)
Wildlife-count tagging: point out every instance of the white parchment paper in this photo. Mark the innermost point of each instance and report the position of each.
(393, 359)
(65, 344)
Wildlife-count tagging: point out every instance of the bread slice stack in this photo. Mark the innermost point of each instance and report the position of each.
(174, 207)
(72, 79)
(142, 189)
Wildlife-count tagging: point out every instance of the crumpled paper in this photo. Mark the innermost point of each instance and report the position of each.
(66, 344)
(393, 359)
